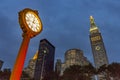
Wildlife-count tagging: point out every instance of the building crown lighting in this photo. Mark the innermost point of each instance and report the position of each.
(35, 56)
(93, 27)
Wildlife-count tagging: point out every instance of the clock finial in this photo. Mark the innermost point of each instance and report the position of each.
(92, 20)
(93, 27)
(91, 17)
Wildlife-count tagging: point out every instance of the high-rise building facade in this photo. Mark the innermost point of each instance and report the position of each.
(45, 60)
(1, 63)
(58, 66)
(5, 74)
(73, 57)
(97, 45)
(30, 69)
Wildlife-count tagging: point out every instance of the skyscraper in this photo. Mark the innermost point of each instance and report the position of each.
(1, 63)
(97, 45)
(45, 60)
(30, 69)
(5, 74)
(73, 57)
(58, 66)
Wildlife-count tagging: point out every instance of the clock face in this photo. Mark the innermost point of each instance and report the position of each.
(97, 47)
(33, 21)
(44, 50)
(30, 22)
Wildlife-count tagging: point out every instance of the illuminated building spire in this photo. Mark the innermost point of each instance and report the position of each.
(35, 56)
(98, 48)
(93, 27)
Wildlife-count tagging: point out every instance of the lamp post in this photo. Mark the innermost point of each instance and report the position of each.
(31, 26)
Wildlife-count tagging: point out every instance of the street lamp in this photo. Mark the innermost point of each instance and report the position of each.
(31, 26)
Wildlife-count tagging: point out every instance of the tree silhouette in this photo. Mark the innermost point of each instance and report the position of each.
(114, 70)
(110, 71)
(51, 76)
(77, 72)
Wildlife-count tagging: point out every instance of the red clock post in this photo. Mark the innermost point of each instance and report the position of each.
(31, 26)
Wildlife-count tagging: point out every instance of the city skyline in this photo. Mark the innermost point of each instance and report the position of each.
(65, 24)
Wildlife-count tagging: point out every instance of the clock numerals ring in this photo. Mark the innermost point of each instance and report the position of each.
(30, 22)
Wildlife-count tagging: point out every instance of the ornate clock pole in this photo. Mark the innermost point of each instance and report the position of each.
(31, 25)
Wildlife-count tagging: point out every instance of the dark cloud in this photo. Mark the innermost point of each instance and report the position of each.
(9, 40)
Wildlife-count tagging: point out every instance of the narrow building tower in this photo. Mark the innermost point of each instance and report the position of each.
(98, 48)
(45, 61)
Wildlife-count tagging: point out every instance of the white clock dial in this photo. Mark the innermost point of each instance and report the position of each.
(44, 50)
(32, 21)
(97, 47)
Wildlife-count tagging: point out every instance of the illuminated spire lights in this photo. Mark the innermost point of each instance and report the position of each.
(93, 25)
(35, 56)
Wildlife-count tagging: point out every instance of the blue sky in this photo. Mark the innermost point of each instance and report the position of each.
(65, 24)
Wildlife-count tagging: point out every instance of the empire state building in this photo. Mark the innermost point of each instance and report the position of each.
(97, 45)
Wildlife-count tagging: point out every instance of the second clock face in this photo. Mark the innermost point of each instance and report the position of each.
(97, 47)
(32, 21)
(44, 50)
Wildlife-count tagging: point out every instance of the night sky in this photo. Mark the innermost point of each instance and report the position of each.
(65, 24)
